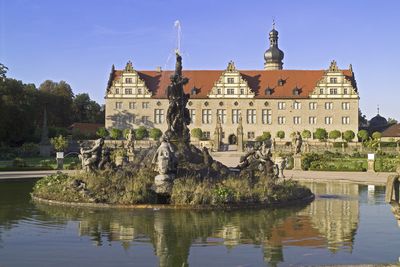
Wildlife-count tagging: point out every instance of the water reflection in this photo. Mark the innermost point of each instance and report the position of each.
(329, 223)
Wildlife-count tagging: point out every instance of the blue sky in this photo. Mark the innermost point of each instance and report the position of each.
(78, 41)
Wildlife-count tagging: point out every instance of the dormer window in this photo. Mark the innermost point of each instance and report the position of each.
(128, 91)
(193, 91)
(230, 91)
(231, 80)
(296, 91)
(116, 90)
(268, 91)
(219, 91)
(139, 91)
(281, 82)
(345, 91)
(321, 91)
(333, 91)
(128, 80)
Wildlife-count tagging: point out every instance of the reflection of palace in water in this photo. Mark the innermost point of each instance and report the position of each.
(336, 218)
(329, 222)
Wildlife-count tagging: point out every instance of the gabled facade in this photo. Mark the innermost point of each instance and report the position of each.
(272, 99)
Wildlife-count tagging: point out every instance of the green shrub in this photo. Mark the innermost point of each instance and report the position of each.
(306, 134)
(280, 134)
(321, 134)
(46, 163)
(102, 132)
(339, 144)
(196, 133)
(115, 133)
(155, 133)
(59, 143)
(363, 135)
(349, 135)
(376, 135)
(335, 134)
(264, 137)
(29, 150)
(141, 133)
(18, 162)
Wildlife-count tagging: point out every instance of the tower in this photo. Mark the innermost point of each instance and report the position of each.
(273, 56)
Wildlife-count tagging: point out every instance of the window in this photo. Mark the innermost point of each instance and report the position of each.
(328, 120)
(250, 135)
(328, 105)
(297, 105)
(296, 120)
(221, 114)
(145, 119)
(131, 118)
(116, 90)
(345, 120)
(268, 91)
(242, 91)
(345, 91)
(251, 116)
(118, 105)
(145, 105)
(230, 91)
(313, 105)
(281, 120)
(206, 116)
(235, 115)
(231, 80)
(158, 116)
(321, 91)
(333, 91)
(333, 80)
(128, 91)
(192, 115)
(132, 105)
(345, 105)
(139, 91)
(312, 120)
(281, 105)
(218, 91)
(128, 80)
(206, 135)
(266, 116)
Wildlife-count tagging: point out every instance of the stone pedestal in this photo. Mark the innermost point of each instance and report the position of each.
(297, 163)
(280, 166)
(371, 166)
(163, 183)
(131, 157)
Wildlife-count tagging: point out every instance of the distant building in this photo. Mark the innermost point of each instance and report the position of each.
(391, 134)
(272, 99)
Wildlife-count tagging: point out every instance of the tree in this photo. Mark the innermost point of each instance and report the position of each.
(58, 99)
(280, 134)
(376, 136)
(141, 133)
(59, 143)
(196, 133)
(115, 133)
(362, 119)
(363, 135)
(102, 132)
(86, 110)
(321, 134)
(265, 136)
(349, 135)
(3, 71)
(306, 134)
(335, 134)
(155, 133)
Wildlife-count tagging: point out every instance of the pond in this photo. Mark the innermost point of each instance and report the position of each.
(346, 224)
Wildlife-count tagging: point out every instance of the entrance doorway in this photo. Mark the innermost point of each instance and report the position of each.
(232, 139)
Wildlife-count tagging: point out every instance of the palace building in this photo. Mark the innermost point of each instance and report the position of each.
(269, 100)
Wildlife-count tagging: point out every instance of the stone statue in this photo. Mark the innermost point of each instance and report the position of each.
(164, 158)
(178, 116)
(91, 157)
(166, 165)
(298, 141)
(106, 162)
(280, 166)
(258, 159)
(130, 138)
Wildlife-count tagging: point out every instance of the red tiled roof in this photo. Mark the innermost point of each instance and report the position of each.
(258, 81)
(392, 131)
